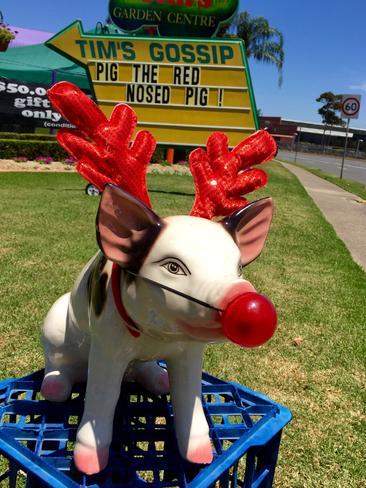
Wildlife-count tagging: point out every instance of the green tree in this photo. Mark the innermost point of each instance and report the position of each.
(331, 106)
(328, 112)
(262, 42)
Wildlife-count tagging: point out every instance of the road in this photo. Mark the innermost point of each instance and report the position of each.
(354, 169)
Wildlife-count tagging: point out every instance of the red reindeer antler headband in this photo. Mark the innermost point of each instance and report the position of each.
(103, 148)
(105, 154)
(222, 177)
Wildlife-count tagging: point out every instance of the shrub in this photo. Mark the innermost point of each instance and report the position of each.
(158, 156)
(27, 136)
(44, 159)
(12, 148)
(69, 162)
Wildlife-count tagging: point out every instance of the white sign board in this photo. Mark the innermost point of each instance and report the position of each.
(350, 106)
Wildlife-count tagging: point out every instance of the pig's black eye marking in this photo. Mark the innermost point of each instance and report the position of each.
(172, 290)
(174, 266)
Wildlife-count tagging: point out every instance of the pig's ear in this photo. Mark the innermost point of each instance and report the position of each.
(126, 228)
(249, 228)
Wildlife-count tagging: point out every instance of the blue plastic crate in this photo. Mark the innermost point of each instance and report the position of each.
(37, 437)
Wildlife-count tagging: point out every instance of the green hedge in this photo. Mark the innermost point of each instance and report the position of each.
(16, 145)
(158, 155)
(12, 148)
(28, 137)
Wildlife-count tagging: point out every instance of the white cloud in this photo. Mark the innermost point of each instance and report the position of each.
(362, 87)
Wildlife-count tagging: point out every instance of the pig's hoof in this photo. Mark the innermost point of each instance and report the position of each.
(89, 460)
(55, 388)
(199, 451)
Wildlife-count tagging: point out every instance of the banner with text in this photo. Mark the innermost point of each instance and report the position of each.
(27, 104)
(182, 90)
(186, 18)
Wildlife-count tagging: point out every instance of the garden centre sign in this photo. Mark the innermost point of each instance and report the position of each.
(181, 90)
(192, 18)
(27, 104)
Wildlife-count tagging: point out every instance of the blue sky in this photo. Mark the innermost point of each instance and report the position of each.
(325, 47)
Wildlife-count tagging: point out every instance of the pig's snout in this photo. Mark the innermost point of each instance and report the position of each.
(249, 319)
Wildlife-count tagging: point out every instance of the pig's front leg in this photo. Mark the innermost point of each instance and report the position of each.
(106, 369)
(185, 372)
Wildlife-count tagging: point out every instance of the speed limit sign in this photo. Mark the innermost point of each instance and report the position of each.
(350, 106)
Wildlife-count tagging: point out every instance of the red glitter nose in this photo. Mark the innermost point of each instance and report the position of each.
(249, 320)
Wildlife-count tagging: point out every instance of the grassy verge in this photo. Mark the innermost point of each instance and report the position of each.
(354, 187)
(315, 364)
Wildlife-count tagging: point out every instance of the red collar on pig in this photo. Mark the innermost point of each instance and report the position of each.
(117, 295)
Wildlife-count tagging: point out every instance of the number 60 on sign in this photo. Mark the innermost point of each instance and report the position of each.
(350, 106)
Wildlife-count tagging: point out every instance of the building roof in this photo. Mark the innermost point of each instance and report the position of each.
(333, 133)
(27, 37)
(320, 126)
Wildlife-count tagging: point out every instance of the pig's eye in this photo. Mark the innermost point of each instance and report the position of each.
(174, 266)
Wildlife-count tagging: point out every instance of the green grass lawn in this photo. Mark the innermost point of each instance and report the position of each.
(315, 364)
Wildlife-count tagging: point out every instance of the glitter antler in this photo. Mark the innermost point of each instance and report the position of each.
(101, 147)
(222, 177)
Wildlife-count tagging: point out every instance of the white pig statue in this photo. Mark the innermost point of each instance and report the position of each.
(160, 288)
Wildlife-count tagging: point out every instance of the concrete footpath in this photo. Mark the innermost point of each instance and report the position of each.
(345, 211)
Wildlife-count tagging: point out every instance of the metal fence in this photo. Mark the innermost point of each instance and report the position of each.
(352, 152)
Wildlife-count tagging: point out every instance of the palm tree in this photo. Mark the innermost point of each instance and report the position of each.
(262, 42)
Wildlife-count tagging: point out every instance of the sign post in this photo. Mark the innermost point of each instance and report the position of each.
(181, 89)
(350, 108)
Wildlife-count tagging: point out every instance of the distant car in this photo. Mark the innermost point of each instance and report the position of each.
(92, 190)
